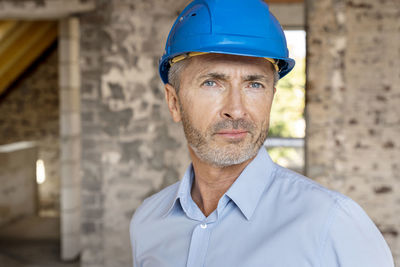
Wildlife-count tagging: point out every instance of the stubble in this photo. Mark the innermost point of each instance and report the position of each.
(231, 152)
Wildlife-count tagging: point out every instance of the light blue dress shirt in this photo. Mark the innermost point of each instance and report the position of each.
(269, 217)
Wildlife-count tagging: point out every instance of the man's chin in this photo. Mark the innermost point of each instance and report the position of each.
(225, 156)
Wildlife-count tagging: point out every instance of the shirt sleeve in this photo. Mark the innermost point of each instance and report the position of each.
(133, 245)
(133, 233)
(353, 240)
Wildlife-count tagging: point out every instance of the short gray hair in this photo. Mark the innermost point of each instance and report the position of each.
(174, 74)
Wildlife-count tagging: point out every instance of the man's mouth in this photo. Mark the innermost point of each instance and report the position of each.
(233, 133)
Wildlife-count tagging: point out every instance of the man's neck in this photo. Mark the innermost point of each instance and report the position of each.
(212, 182)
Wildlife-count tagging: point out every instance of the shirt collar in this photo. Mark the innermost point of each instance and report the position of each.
(245, 192)
(248, 188)
(183, 192)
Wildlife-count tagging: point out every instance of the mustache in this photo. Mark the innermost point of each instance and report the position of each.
(233, 124)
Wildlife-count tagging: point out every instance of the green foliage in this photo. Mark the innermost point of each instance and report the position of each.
(287, 114)
(288, 157)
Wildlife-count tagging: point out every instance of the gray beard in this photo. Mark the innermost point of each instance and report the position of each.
(223, 157)
(233, 153)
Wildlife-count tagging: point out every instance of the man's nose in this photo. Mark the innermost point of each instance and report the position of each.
(234, 107)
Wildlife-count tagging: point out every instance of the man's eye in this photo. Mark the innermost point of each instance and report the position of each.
(209, 83)
(256, 85)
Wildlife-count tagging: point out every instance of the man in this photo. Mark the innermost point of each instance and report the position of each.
(234, 206)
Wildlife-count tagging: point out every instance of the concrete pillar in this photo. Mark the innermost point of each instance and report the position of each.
(70, 131)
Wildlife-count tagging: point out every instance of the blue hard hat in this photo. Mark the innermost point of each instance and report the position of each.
(236, 27)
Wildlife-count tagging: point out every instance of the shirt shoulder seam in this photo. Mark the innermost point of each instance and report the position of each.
(328, 225)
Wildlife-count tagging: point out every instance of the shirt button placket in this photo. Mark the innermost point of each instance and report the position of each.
(199, 245)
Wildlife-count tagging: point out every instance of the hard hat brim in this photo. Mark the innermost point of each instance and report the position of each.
(285, 64)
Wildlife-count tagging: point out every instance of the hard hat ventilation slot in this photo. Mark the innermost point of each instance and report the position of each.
(194, 14)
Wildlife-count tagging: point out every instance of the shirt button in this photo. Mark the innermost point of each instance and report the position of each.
(203, 225)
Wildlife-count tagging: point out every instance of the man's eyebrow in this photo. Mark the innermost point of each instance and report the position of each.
(256, 77)
(215, 75)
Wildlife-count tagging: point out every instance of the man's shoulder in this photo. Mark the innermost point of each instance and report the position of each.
(344, 234)
(307, 188)
(156, 205)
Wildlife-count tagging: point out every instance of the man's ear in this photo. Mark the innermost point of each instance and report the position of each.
(172, 102)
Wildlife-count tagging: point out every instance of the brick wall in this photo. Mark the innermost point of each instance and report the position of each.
(130, 146)
(353, 96)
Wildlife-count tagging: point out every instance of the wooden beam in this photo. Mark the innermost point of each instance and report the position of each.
(20, 45)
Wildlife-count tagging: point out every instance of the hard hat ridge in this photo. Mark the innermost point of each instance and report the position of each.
(235, 27)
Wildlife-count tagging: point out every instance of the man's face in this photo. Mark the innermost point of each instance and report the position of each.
(224, 104)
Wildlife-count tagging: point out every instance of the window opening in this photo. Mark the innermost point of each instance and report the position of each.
(285, 142)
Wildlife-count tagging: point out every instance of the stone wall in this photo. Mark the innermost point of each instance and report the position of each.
(353, 96)
(130, 146)
(18, 189)
(29, 112)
